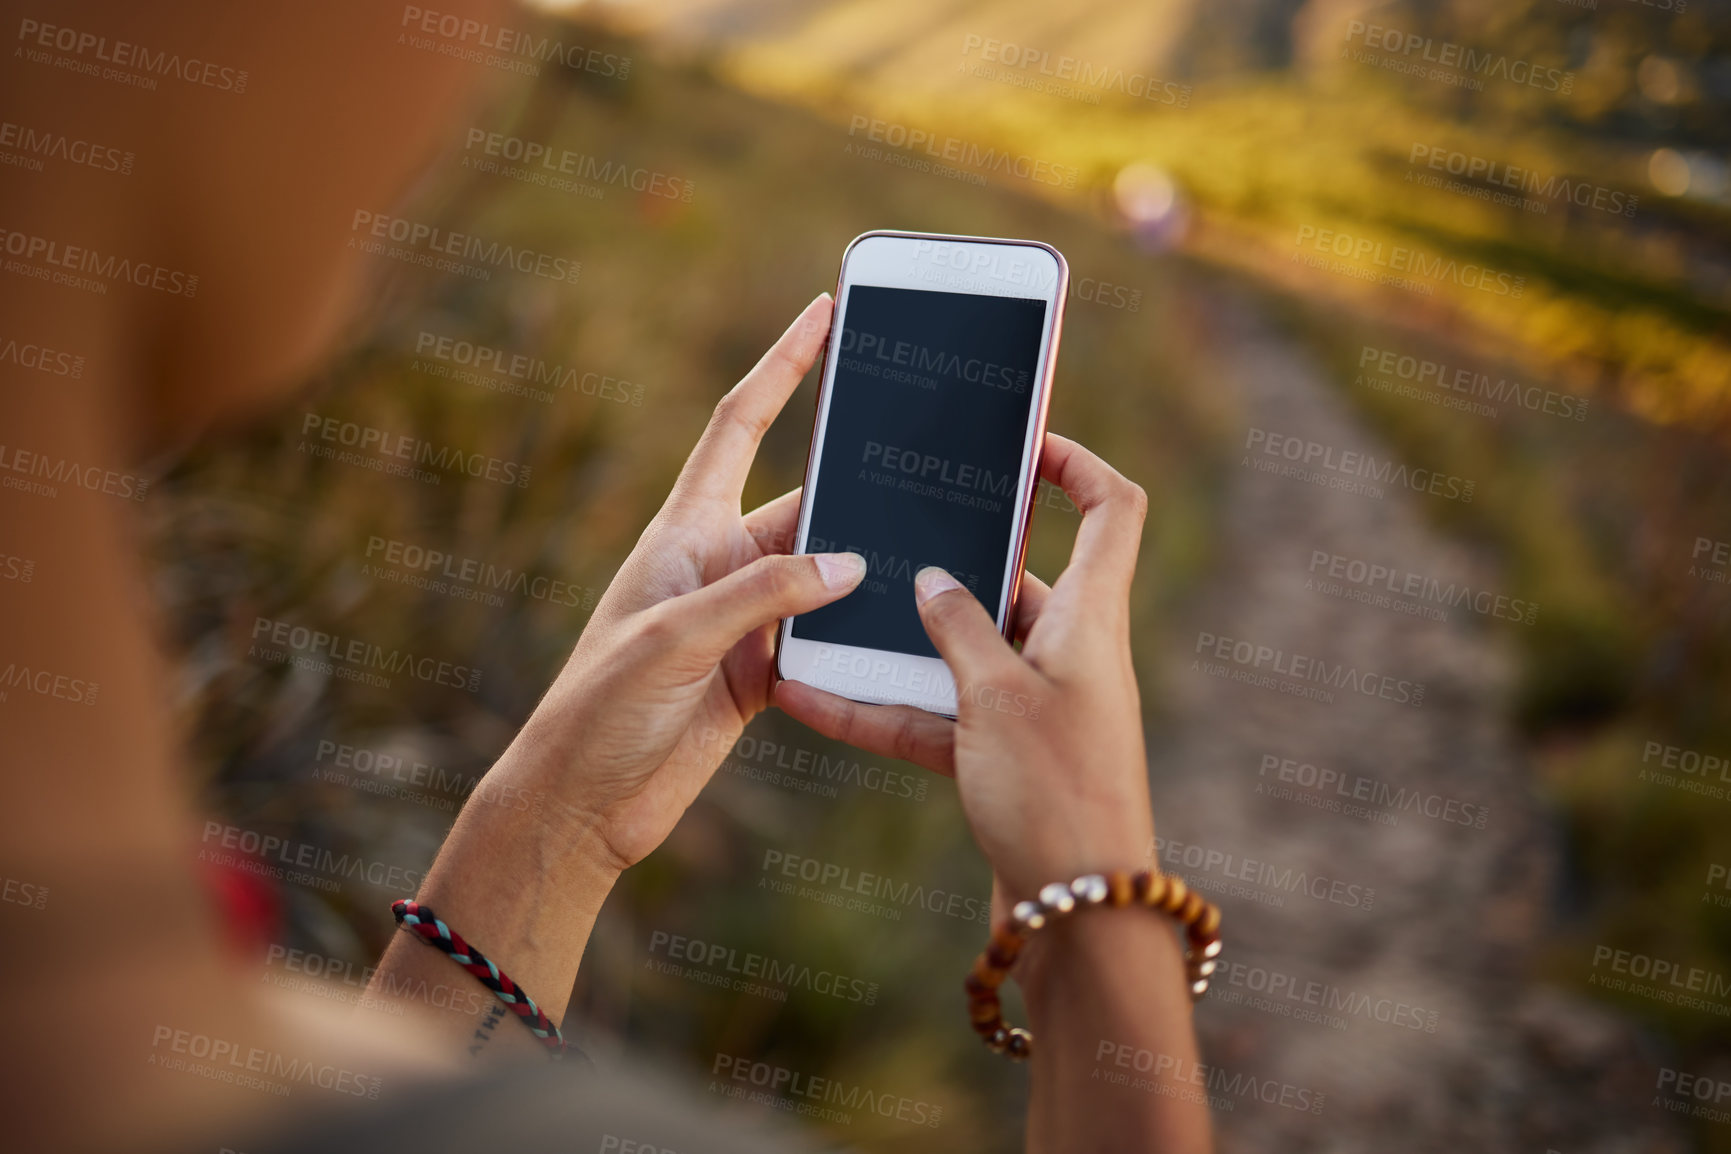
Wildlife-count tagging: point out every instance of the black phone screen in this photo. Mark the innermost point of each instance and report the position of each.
(922, 454)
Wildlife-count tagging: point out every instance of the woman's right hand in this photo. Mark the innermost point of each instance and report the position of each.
(1047, 747)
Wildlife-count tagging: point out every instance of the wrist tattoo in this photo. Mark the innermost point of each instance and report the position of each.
(484, 1032)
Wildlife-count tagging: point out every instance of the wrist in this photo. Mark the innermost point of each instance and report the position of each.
(1027, 868)
(1078, 949)
(525, 809)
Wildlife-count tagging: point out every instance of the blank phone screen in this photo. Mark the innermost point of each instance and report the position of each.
(922, 454)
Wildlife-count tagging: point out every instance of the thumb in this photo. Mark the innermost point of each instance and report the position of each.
(710, 621)
(959, 626)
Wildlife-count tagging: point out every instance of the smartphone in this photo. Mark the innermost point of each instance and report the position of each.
(931, 413)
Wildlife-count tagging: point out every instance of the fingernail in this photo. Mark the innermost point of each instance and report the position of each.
(931, 581)
(840, 570)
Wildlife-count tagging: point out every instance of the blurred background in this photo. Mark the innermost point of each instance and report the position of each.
(1485, 244)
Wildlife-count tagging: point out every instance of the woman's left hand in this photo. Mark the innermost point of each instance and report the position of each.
(677, 657)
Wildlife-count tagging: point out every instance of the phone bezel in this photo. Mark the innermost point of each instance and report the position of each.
(901, 678)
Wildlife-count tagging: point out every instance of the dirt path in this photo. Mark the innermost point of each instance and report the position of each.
(1431, 1036)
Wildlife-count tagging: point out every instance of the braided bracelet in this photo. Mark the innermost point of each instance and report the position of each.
(426, 925)
(1199, 917)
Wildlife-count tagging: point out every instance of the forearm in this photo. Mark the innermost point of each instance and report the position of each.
(521, 877)
(1115, 1062)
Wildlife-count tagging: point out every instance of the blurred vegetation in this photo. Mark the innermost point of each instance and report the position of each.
(680, 298)
(1635, 306)
(1593, 521)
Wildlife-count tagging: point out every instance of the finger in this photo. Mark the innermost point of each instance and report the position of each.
(773, 524)
(705, 623)
(718, 465)
(1029, 601)
(898, 731)
(1113, 510)
(962, 630)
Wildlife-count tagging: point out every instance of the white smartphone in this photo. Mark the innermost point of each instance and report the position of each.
(931, 413)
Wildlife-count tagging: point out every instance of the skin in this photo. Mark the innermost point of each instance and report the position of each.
(95, 804)
(678, 660)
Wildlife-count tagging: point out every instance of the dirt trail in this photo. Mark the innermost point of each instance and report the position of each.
(1457, 910)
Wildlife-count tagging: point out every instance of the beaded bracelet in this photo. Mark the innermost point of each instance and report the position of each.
(1199, 917)
(421, 921)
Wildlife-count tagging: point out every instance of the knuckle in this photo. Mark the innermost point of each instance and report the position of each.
(1008, 676)
(1137, 498)
(735, 410)
(776, 578)
(656, 628)
(786, 354)
(948, 610)
(905, 742)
